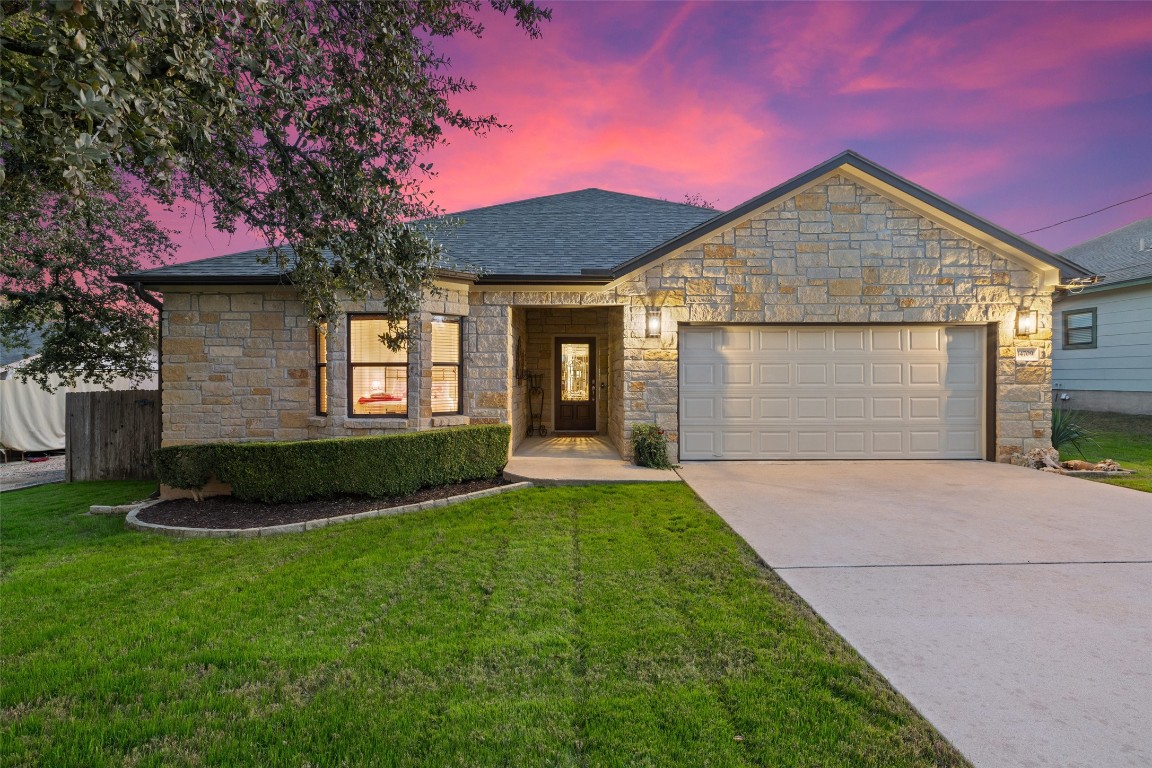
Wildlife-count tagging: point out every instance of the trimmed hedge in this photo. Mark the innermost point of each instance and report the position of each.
(379, 466)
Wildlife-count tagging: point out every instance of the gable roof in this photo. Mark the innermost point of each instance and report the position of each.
(1117, 255)
(843, 161)
(593, 236)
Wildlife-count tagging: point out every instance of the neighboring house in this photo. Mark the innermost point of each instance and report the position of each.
(847, 313)
(1102, 338)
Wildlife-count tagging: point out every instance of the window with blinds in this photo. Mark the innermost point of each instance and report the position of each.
(377, 375)
(1080, 329)
(322, 369)
(446, 356)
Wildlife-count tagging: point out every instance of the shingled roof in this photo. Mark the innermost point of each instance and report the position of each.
(565, 237)
(569, 234)
(1121, 256)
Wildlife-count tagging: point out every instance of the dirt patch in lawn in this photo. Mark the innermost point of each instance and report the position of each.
(230, 512)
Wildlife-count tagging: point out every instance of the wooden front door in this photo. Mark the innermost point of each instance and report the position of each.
(575, 389)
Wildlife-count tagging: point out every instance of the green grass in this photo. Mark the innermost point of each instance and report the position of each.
(1127, 439)
(605, 626)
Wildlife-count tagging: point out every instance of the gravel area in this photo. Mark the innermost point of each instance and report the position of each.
(22, 474)
(228, 512)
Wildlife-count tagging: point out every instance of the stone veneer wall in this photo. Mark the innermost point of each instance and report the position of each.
(239, 364)
(836, 253)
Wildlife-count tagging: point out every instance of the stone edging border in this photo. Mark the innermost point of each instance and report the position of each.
(133, 522)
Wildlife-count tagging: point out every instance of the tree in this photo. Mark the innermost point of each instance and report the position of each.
(306, 120)
(57, 270)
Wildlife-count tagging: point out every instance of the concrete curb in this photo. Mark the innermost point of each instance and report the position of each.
(121, 509)
(134, 523)
(553, 482)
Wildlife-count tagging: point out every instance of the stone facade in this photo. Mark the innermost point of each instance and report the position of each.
(238, 364)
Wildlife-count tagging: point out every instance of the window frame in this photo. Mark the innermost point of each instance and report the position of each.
(321, 337)
(1095, 328)
(458, 321)
(352, 366)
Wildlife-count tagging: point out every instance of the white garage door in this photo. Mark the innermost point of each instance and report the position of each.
(831, 392)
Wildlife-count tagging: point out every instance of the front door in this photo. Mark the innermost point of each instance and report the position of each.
(575, 378)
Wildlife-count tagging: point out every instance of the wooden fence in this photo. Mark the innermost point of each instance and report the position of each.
(111, 435)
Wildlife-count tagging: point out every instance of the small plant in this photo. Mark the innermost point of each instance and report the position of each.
(1067, 430)
(650, 447)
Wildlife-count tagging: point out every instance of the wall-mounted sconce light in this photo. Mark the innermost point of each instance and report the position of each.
(652, 322)
(1027, 322)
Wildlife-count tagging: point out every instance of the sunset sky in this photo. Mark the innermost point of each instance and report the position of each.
(1024, 113)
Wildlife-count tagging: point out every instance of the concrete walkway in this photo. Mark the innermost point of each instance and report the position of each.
(1012, 607)
(588, 460)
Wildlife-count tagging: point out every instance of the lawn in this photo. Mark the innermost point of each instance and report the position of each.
(1119, 436)
(604, 626)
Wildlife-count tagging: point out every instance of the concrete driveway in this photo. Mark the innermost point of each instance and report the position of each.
(1012, 607)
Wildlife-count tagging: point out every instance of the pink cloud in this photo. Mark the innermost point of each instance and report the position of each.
(1015, 110)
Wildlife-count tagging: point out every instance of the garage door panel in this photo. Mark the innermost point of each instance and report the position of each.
(925, 339)
(737, 339)
(849, 442)
(887, 373)
(849, 340)
(850, 408)
(697, 409)
(849, 373)
(737, 373)
(920, 374)
(888, 408)
(831, 392)
(775, 408)
(775, 373)
(700, 443)
(962, 442)
(811, 373)
(924, 441)
(737, 444)
(811, 408)
(887, 444)
(887, 339)
(812, 444)
(773, 341)
(736, 408)
(698, 373)
(963, 373)
(923, 408)
(958, 407)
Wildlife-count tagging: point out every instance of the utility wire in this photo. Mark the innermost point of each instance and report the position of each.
(1086, 215)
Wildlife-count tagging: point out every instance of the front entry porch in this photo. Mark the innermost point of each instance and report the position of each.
(583, 460)
(566, 373)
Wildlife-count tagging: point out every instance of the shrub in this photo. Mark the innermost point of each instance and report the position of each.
(650, 446)
(379, 466)
(1067, 430)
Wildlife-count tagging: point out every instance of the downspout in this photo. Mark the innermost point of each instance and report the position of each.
(152, 301)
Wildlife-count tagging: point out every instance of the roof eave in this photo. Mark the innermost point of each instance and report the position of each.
(145, 279)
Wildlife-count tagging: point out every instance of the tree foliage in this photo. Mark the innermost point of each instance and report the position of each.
(56, 275)
(306, 120)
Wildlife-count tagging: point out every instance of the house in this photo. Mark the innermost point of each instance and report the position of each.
(1102, 334)
(844, 314)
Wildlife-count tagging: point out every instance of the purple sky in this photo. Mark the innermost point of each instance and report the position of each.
(1024, 113)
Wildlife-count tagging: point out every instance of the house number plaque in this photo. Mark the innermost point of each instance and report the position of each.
(1027, 354)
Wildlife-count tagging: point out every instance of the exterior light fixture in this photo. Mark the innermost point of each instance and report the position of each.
(1027, 322)
(652, 323)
